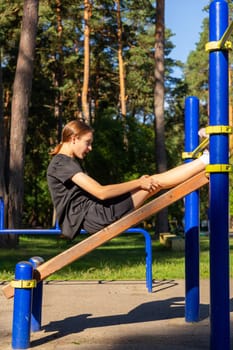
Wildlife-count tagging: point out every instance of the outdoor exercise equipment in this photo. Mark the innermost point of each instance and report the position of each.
(36, 297)
(218, 169)
(57, 231)
(23, 285)
(192, 151)
(219, 33)
(113, 230)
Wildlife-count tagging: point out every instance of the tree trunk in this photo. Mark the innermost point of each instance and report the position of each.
(121, 72)
(4, 239)
(58, 76)
(161, 158)
(86, 74)
(121, 62)
(20, 108)
(2, 148)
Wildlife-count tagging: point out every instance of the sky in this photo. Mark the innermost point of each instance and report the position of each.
(184, 18)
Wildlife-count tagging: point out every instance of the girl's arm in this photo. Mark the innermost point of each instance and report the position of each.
(101, 192)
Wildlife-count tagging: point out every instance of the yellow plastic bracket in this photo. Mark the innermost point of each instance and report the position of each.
(23, 283)
(197, 152)
(219, 129)
(187, 155)
(223, 43)
(219, 168)
(218, 45)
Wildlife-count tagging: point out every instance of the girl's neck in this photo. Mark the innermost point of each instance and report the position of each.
(66, 150)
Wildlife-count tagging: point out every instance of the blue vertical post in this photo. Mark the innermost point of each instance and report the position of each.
(192, 294)
(37, 297)
(219, 183)
(22, 306)
(1, 214)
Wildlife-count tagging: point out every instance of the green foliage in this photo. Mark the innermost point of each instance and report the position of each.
(196, 78)
(123, 149)
(196, 73)
(111, 159)
(140, 153)
(107, 162)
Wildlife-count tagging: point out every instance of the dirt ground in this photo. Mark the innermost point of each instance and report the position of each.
(115, 315)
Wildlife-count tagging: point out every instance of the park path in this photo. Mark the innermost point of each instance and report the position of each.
(114, 315)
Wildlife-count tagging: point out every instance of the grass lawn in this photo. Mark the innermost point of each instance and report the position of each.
(123, 258)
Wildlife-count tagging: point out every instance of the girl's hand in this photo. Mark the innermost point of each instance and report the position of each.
(148, 183)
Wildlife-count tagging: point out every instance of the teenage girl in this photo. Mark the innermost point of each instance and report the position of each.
(83, 203)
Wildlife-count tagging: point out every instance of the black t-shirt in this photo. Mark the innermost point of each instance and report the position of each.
(69, 200)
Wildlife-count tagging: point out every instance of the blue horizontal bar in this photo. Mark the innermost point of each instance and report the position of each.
(30, 231)
(56, 231)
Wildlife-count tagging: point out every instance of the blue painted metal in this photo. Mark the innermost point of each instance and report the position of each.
(28, 309)
(22, 308)
(56, 230)
(51, 231)
(2, 213)
(148, 251)
(192, 276)
(37, 297)
(219, 183)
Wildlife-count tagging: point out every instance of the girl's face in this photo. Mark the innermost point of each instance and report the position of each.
(82, 145)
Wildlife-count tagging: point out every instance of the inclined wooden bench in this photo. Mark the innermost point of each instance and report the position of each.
(113, 230)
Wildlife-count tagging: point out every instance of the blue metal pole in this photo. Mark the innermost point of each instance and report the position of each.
(1, 213)
(37, 297)
(219, 183)
(148, 251)
(22, 306)
(192, 294)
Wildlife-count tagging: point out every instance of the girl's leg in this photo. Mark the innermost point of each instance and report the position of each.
(170, 179)
(179, 174)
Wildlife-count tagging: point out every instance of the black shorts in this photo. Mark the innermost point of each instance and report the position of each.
(103, 213)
